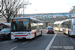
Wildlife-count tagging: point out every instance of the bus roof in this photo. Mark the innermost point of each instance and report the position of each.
(23, 17)
(61, 21)
(58, 22)
(26, 17)
(68, 19)
(40, 23)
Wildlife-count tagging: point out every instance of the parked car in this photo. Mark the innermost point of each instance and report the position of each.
(4, 25)
(5, 33)
(50, 30)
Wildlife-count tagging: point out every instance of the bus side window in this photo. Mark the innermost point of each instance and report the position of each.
(66, 26)
(33, 27)
(41, 26)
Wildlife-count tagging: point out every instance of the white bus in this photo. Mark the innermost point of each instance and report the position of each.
(58, 26)
(69, 27)
(25, 28)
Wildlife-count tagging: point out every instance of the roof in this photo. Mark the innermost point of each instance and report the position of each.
(23, 17)
(44, 13)
(61, 21)
(68, 19)
(20, 17)
(40, 23)
(58, 22)
(6, 23)
(26, 17)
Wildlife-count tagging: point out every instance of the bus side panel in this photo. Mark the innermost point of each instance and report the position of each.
(61, 28)
(56, 27)
(73, 26)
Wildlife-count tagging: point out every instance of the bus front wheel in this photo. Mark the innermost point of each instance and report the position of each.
(69, 34)
(35, 35)
(41, 33)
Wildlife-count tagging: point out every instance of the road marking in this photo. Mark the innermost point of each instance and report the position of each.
(14, 47)
(49, 45)
(24, 43)
(72, 40)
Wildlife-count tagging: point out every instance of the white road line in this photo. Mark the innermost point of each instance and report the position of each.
(49, 45)
(72, 40)
(14, 47)
(24, 43)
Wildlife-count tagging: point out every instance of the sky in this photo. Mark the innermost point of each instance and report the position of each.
(49, 6)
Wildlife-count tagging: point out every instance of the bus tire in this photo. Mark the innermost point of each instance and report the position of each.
(69, 34)
(35, 35)
(41, 33)
(63, 32)
(58, 30)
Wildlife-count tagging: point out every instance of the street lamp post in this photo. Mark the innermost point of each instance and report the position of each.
(23, 7)
(45, 20)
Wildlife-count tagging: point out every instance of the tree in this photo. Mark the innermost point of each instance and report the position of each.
(72, 10)
(10, 8)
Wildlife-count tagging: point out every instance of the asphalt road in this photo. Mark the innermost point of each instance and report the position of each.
(63, 42)
(57, 41)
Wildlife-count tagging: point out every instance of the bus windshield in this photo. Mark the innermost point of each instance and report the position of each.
(20, 25)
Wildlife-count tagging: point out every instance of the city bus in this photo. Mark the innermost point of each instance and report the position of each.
(25, 28)
(69, 27)
(58, 25)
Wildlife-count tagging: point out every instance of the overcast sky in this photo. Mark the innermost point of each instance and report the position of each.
(49, 6)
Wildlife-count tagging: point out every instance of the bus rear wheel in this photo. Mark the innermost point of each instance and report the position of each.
(41, 33)
(69, 34)
(35, 35)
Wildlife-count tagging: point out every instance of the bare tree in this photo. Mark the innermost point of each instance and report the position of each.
(10, 8)
(1, 5)
(72, 10)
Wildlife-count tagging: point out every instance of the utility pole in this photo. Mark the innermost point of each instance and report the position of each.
(23, 8)
(25, 4)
